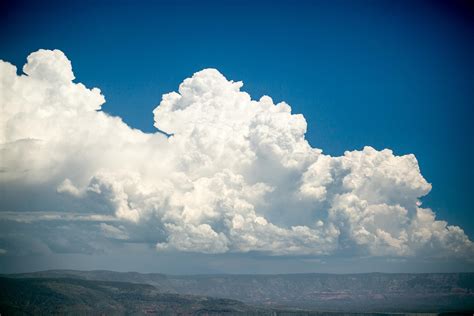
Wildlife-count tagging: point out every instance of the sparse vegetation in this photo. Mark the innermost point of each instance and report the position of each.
(106, 292)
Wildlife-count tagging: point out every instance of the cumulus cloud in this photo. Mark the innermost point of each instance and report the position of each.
(235, 174)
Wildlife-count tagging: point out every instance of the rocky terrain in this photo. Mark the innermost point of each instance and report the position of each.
(374, 292)
(46, 296)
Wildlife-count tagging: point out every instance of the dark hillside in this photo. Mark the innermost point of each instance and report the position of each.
(47, 296)
(372, 292)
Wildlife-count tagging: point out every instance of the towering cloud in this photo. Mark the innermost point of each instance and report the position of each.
(236, 174)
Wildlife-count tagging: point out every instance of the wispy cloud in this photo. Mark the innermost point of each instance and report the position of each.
(30, 217)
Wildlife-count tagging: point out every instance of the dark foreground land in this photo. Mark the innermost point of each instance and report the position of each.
(131, 293)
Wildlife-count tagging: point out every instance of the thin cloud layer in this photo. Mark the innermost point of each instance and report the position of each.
(236, 174)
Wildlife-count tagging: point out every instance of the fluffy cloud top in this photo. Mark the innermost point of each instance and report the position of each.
(236, 174)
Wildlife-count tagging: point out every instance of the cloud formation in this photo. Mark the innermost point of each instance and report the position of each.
(236, 174)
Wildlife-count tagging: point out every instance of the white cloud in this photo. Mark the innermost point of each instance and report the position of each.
(236, 175)
(31, 217)
(114, 232)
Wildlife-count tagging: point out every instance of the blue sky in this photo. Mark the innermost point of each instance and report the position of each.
(389, 74)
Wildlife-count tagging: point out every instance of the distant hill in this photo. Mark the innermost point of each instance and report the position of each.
(49, 296)
(373, 292)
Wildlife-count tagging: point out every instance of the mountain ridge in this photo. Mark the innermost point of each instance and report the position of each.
(45, 296)
(367, 292)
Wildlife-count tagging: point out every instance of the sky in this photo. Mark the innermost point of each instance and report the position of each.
(242, 186)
